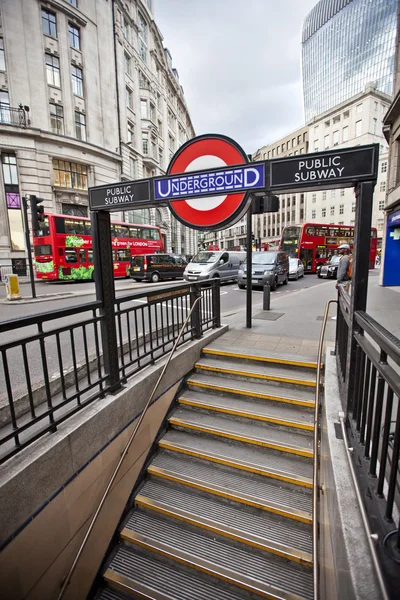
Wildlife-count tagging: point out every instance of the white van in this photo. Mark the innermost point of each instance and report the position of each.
(209, 264)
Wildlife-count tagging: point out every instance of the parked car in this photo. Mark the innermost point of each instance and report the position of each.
(267, 267)
(154, 267)
(212, 264)
(296, 268)
(329, 269)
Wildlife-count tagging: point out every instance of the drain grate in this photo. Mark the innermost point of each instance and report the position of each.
(266, 315)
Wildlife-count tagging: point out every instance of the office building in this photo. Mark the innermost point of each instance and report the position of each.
(88, 96)
(345, 45)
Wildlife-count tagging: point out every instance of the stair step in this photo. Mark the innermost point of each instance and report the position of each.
(253, 459)
(260, 356)
(267, 575)
(263, 371)
(147, 575)
(272, 412)
(294, 502)
(252, 389)
(112, 594)
(258, 529)
(250, 432)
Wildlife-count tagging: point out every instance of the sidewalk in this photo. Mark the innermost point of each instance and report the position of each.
(299, 315)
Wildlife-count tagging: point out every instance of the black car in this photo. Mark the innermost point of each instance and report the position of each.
(329, 269)
(153, 267)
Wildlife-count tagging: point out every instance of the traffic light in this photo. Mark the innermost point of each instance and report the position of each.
(264, 204)
(37, 212)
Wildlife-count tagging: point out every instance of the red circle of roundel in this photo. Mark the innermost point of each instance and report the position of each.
(228, 151)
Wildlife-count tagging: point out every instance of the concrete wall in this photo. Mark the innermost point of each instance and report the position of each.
(49, 491)
(346, 569)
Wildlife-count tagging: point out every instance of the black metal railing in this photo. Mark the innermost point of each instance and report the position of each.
(373, 421)
(52, 364)
(13, 116)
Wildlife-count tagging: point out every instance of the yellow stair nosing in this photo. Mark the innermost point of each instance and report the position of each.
(270, 359)
(237, 464)
(225, 530)
(297, 401)
(300, 451)
(279, 509)
(271, 377)
(247, 415)
(132, 587)
(206, 566)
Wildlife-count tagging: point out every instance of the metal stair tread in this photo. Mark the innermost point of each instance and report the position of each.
(260, 370)
(270, 491)
(171, 580)
(259, 355)
(260, 567)
(253, 387)
(251, 430)
(266, 527)
(256, 406)
(256, 456)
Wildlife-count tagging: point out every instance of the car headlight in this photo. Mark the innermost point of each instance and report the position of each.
(240, 272)
(268, 272)
(203, 272)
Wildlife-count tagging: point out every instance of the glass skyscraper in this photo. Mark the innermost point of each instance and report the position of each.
(345, 45)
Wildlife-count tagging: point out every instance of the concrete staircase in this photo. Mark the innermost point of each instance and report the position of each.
(225, 509)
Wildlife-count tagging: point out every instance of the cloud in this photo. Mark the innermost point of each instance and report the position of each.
(239, 62)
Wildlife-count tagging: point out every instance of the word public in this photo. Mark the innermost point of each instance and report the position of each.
(315, 169)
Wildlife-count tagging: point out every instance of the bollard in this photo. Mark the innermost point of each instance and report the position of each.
(267, 297)
(12, 287)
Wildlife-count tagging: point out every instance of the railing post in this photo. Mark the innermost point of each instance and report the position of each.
(216, 302)
(105, 292)
(195, 319)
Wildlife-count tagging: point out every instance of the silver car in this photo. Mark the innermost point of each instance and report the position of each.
(296, 268)
(267, 267)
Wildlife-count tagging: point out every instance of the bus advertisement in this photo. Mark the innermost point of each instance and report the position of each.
(63, 247)
(314, 244)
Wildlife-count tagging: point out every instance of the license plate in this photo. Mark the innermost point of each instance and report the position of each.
(136, 268)
(254, 281)
(192, 278)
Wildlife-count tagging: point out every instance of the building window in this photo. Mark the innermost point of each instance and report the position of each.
(130, 132)
(73, 3)
(335, 138)
(332, 211)
(9, 169)
(145, 142)
(129, 98)
(333, 193)
(127, 63)
(314, 197)
(143, 109)
(49, 24)
(313, 214)
(127, 32)
(80, 126)
(77, 81)
(382, 186)
(381, 205)
(69, 175)
(152, 112)
(346, 114)
(142, 38)
(336, 119)
(53, 70)
(353, 207)
(171, 142)
(358, 128)
(342, 192)
(133, 167)
(316, 145)
(323, 195)
(374, 125)
(161, 157)
(341, 209)
(74, 34)
(326, 141)
(379, 224)
(2, 56)
(384, 167)
(345, 134)
(57, 118)
(323, 212)
(375, 106)
(5, 113)
(359, 108)
(327, 123)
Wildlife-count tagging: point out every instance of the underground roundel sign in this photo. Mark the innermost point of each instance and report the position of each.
(208, 200)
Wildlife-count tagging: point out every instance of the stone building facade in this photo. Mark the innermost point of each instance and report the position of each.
(88, 96)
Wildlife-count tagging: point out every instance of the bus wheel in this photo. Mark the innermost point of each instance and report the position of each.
(154, 278)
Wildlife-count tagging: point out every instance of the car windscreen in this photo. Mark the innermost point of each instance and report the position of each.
(293, 262)
(263, 258)
(137, 261)
(335, 260)
(206, 257)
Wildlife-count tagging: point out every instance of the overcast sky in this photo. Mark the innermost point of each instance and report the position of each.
(239, 62)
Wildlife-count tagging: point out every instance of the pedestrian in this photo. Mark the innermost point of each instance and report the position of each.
(345, 268)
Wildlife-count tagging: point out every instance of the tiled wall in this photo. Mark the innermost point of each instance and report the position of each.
(34, 564)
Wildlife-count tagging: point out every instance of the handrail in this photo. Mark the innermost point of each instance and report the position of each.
(315, 465)
(121, 460)
(370, 536)
(386, 340)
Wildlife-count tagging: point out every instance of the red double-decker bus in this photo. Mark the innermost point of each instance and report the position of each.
(63, 247)
(314, 244)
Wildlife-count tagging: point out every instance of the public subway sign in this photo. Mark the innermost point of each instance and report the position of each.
(119, 196)
(211, 183)
(336, 168)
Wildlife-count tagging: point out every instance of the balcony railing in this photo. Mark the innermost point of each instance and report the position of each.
(13, 116)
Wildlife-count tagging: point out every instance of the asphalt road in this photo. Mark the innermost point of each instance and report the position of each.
(233, 301)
